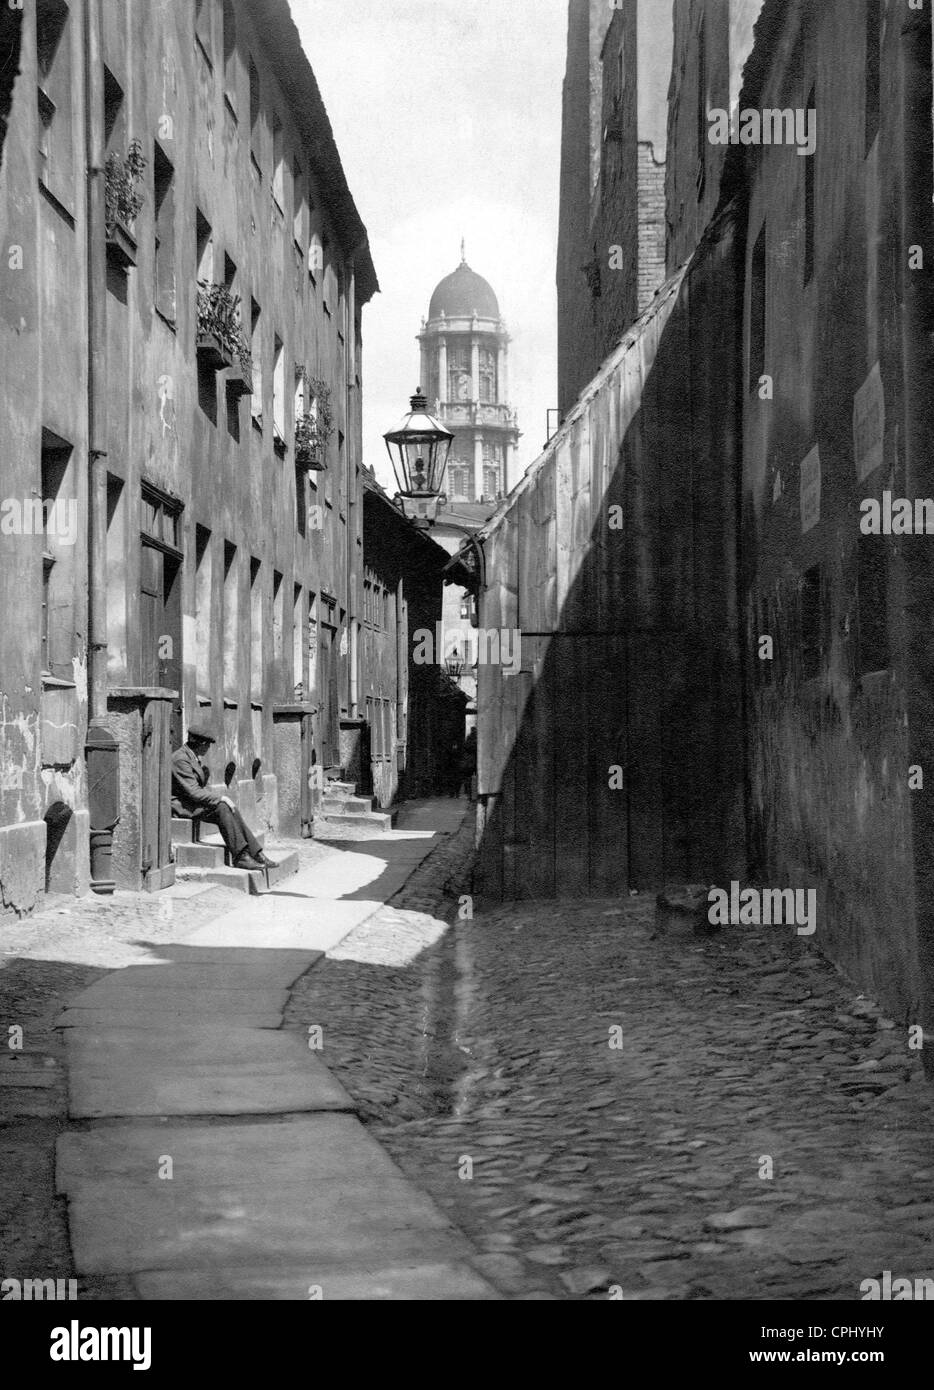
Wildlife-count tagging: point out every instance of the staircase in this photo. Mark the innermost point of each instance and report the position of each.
(342, 809)
(204, 857)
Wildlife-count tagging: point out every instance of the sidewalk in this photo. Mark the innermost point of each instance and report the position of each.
(214, 1155)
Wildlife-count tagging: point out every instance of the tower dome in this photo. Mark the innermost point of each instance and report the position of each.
(462, 294)
(464, 364)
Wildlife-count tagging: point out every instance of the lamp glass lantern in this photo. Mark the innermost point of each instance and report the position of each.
(419, 451)
(454, 665)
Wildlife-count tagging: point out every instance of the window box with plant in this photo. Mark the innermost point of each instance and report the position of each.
(220, 336)
(122, 203)
(314, 426)
(240, 376)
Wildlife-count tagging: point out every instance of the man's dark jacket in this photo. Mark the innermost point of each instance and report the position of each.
(190, 794)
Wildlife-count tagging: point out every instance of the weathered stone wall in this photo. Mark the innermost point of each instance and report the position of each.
(835, 725)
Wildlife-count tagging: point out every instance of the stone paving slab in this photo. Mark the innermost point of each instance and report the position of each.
(367, 1212)
(160, 998)
(287, 924)
(154, 1021)
(420, 1282)
(283, 965)
(296, 1149)
(208, 978)
(195, 1070)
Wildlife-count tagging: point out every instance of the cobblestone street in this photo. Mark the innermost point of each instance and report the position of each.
(580, 1169)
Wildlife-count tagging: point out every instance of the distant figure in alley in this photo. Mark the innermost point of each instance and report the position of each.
(193, 800)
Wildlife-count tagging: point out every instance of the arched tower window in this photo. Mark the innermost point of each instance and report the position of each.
(460, 481)
(460, 385)
(492, 470)
(488, 383)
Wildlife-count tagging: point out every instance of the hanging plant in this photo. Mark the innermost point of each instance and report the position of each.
(121, 177)
(122, 202)
(315, 426)
(221, 339)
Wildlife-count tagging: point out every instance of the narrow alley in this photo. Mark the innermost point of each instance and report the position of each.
(648, 1115)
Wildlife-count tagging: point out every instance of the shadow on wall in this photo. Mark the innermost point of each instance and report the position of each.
(58, 818)
(623, 761)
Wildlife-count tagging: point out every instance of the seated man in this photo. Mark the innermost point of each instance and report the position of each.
(192, 800)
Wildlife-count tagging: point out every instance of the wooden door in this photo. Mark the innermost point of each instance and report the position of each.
(155, 789)
(329, 694)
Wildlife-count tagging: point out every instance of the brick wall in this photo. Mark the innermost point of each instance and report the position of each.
(651, 203)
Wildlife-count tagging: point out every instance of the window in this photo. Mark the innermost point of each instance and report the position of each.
(114, 118)
(460, 382)
(872, 591)
(204, 250)
(810, 169)
(278, 162)
(315, 250)
(487, 377)
(256, 351)
(298, 643)
(327, 276)
(460, 481)
(301, 519)
(757, 311)
(159, 518)
(231, 625)
(278, 621)
(57, 165)
(256, 632)
(203, 16)
(56, 515)
(278, 393)
(299, 209)
(492, 470)
(230, 55)
(873, 69)
(160, 613)
(116, 547)
(811, 633)
(256, 148)
(203, 608)
(164, 235)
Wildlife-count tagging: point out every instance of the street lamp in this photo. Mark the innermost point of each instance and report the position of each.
(419, 451)
(454, 665)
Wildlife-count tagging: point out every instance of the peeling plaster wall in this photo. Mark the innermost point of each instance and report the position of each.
(43, 310)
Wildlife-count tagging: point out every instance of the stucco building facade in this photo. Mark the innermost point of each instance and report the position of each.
(215, 574)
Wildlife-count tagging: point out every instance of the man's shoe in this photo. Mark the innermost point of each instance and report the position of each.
(266, 862)
(246, 861)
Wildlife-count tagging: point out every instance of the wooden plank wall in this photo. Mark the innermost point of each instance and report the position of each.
(628, 636)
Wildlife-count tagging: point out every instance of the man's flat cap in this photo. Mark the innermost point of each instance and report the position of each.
(199, 731)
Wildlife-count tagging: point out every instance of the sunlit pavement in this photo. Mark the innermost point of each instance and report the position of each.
(211, 1154)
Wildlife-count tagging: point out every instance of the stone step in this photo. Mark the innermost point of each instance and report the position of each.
(210, 835)
(347, 806)
(376, 821)
(247, 881)
(340, 789)
(199, 856)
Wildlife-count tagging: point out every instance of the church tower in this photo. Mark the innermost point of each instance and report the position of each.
(464, 364)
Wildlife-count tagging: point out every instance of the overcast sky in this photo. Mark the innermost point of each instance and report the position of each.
(447, 115)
